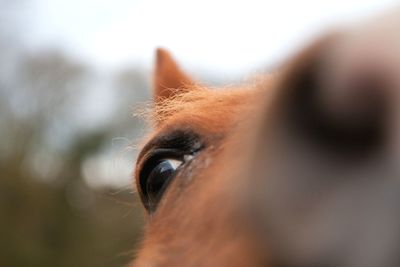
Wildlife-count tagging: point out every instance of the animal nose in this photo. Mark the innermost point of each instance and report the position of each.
(344, 93)
(334, 111)
(358, 82)
(362, 75)
(356, 96)
(359, 79)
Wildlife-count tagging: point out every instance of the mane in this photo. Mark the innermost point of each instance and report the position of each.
(188, 99)
(199, 101)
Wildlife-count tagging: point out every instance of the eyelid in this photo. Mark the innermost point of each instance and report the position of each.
(156, 153)
(184, 140)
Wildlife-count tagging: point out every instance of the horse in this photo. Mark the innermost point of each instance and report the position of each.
(296, 169)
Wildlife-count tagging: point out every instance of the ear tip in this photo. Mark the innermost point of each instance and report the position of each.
(168, 75)
(160, 51)
(162, 56)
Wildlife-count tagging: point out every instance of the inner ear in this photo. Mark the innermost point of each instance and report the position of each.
(169, 79)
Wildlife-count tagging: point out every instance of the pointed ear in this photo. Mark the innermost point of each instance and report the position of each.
(169, 79)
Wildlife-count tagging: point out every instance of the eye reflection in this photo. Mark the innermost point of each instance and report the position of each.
(159, 178)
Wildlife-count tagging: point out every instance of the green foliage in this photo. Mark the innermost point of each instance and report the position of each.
(49, 225)
(49, 215)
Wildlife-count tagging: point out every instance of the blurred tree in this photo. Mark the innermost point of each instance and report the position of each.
(49, 215)
(62, 223)
(35, 94)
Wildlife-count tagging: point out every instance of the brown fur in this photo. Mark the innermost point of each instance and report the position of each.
(168, 77)
(201, 110)
(257, 193)
(202, 212)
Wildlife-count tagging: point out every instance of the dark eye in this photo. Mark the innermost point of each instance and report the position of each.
(160, 160)
(154, 179)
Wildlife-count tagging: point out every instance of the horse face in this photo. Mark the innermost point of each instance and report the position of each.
(186, 176)
(298, 170)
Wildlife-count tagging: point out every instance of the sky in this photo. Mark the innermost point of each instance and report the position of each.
(225, 36)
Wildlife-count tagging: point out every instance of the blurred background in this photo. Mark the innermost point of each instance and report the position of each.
(71, 74)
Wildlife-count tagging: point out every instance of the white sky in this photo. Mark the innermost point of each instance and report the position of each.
(223, 36)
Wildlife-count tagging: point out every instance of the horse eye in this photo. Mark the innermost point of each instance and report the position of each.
(155, 180)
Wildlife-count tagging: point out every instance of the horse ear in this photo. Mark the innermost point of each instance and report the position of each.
(169, 79)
